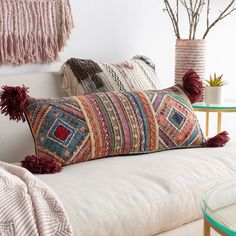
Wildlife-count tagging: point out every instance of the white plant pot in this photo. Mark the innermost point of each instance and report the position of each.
(214, 95)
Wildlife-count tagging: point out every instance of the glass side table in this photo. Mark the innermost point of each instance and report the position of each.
(229, 106)
(219, 209)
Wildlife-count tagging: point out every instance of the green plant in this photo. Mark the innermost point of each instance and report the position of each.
(216, 81)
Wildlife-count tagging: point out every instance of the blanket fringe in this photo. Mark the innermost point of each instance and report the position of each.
(33, 31)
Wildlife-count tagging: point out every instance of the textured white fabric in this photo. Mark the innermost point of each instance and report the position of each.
(28, 207)
(194, 228)
(140, 195)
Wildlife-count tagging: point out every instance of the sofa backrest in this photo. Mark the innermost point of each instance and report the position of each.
(15, 138)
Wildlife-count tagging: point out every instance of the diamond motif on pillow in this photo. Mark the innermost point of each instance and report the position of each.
(62, 133)
(176, 118)
(178, 126)
(60, 130)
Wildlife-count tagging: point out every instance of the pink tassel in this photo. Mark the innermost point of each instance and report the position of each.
(41, 165)
(13, 102)
(218, 141)
(192, 85)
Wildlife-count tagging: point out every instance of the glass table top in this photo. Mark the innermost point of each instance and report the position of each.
(219, 207)
(227, 105)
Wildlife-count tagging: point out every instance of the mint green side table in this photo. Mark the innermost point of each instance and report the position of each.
(229, 106)
(219, 209)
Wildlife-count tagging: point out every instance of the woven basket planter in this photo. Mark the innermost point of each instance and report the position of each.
(189, 54)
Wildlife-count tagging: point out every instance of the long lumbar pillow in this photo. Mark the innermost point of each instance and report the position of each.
(77, 129)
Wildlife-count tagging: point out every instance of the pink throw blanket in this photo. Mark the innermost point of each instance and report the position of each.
(28, 207)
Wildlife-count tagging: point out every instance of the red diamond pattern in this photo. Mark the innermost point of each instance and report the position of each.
(61, 133)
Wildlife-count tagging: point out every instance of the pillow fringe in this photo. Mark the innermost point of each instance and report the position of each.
(193, 86)
(13, 102)
(218, 141)
(41, 165)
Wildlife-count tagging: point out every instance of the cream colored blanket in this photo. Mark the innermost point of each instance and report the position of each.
(28, 207)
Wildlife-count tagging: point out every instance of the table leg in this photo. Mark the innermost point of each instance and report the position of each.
(219, 123)
(207, 123)
(207, 230)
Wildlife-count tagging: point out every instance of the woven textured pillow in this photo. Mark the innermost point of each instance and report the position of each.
(82, 77)
(77, 129)
(82, 128)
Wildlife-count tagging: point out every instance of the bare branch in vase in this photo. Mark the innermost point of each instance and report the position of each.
(208, 12)
(189, 13)
(173, 18)
(197, 17)
(194, 10)
(227, 11)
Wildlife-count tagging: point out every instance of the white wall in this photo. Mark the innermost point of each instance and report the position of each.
(112, 30)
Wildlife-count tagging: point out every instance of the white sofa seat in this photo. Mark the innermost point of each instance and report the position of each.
(142, 194)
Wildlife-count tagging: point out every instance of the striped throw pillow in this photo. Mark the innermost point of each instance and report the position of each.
(81, 77)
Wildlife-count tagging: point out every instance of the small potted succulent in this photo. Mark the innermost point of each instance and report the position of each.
(214, 91)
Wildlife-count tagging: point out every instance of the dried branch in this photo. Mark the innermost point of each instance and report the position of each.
(172, 21)
(191, 5)
(227, 11)
(173, 18)
(195, 5)
(192, 13)
(189, 13)
(208, 12)
(194, 10)
(197, 17)
(177, 11)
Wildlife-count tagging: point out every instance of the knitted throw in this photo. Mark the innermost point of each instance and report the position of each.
(33, 31)
(28, 206)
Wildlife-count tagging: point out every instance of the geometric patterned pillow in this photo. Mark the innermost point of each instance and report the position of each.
(77, 129)
(81, 77)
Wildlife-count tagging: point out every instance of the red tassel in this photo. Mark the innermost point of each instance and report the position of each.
(13, 102)
(218, 141)
(192, 85)
(41, 165)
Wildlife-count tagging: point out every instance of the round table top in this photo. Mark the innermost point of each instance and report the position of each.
(226, 106)
(219, 207)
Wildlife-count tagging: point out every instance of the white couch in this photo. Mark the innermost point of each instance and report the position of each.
(151, 194)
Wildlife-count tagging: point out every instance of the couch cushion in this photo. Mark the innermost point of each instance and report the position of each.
(140, 195)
